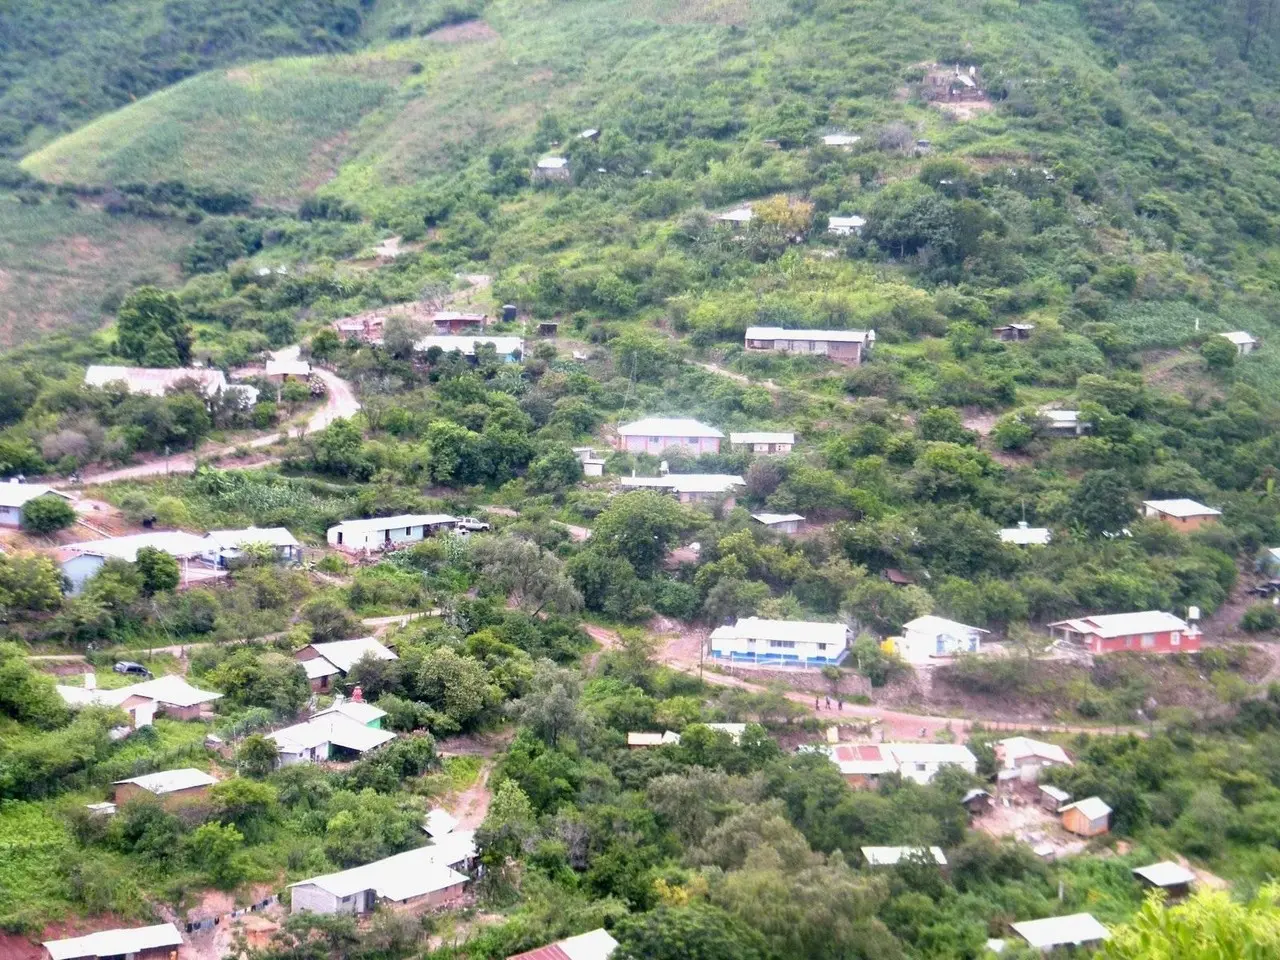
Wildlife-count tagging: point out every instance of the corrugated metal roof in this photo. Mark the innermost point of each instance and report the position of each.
(593, 945)
(172, 690)
(400, 877)
(830, 336)
(439, 822)
(1239, 338)
(687, 482)
(235, 539)
(155, 381)
(15, 494)
(1078, 928)
(109, 943)
(1093, 808)
(375, 524)
(288, 368)
(356, 710)
(763, 436)
(930, 753)
(667, 427)
(888, 856)
(1026, 536)
(345, 654)
(1182, 507)
(1014, 748)
(1166, 873)
(803, 631)
(168, 781)
(769, 519)
(334, 728)
(941, 626)
(1109, 625)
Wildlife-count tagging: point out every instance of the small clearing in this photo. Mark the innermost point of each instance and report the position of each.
(469, 31)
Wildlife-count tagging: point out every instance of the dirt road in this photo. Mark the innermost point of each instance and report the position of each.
(472, 805)
(340, 401)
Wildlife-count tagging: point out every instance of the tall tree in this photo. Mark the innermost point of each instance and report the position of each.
(150, 326)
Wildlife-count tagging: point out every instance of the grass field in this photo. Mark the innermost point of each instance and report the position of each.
(58, 263)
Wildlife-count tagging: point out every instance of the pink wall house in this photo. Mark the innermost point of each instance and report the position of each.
(655, 434)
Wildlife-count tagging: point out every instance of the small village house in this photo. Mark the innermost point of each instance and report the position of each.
(593, 945)
(381, 533)
(1173, 878)
(1065, 423)
(976, 802)
(691, 487)
(1151, 631)
(640, 740)
(655, 434)
(1089, 817)
(1023, 758)
(439, 822)
(548, 328)
(173, 787)
(552, 169)
(737, 216)
(862, 765)
(842, 141)
(1243, 342)
(763, 442)
(282, 371)
(780, 522)
(324, 661)
(15, 495)
(1053, 798)
(329, 736)
(922, 761)
(1013, 331)
(80, 561)
(927, 637)
(365, 714)
(157, 381)
(227, 546)
(898, 578)
(845, 346)
(159, 942)
(892, 856)
(591, 133)
(1052, 933)
(1025, 536)
(1181, 513)
(846, 226)
(780, 642)
(170, 696)
(454, 322)
(414, 880)
(368, 328)
(508, 349)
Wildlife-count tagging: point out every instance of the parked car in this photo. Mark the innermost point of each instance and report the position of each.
(471, 524)
(132, 669)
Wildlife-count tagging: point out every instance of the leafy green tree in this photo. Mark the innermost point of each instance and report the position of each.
(325, 344)
(47, 514)
(26, 694)
(29, 583)
(456, 686)
(269, 680)
(554, 471)
(329, 620)
(257, 756)
(501, 838)
(1219, 353)
(1208, 926)
(532, 577)
(150, 325)
(159, 570)
(215, 849)
(550, 706)
(639, 527)
(338, 449)
(698, 932)
(1102, 502)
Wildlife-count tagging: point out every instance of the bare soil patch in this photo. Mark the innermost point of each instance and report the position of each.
(240, 75)
(966, 109)
(468, 32)
(326, 157)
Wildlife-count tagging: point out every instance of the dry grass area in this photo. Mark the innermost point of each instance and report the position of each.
(468, 32)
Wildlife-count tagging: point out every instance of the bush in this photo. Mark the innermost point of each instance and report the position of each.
(1260, 618)
(47, 514)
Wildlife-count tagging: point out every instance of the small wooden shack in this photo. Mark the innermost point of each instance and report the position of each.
(1173, 878)
(1089, 817)
(1053, 799)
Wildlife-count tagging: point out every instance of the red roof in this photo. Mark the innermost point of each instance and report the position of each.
(551, 951)
(858, 752)
(897, 576)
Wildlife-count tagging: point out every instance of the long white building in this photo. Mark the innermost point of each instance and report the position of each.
(782, 642)
(379, 533)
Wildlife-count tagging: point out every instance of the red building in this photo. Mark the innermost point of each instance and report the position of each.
(1151, 631)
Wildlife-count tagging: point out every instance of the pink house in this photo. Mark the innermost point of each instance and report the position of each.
(1151, 631)
(655, 434)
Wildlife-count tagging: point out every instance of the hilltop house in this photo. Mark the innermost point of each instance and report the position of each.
(157, 381)
(381, 533)
(552, 169)
(324, 661)
(737, 216)
(846, 226)
(159, 942)
(764, 442)
(780, 522)
(843, 141)
(846, 346)
(1181, 513)
(1173, 878)
(170, 696)
(1089, 817)
(655, 434)
(416, 879)
(453, 322)
(1023, 535)
(1065, 423)
(1151, 631)
(173, 787)
(80, 561)
(892, 856)
(863, 764)
(332, 735)
(1243, 342)
(225, 546)
(15, 495)
(782, 642)
(692, 487)
(926, 637)
(1013, 331)
(1076, 930)
(508, 349)
(593, 945)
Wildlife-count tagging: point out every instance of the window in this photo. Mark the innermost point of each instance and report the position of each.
(339, 538)
(1148, 640)
(655, 439)
(921, 768)
(783, 644)
(1175, 638)
(822, 646)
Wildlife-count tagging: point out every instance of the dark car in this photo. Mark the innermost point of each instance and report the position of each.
(131, 668)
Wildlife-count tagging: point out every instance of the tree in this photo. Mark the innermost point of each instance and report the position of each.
(325, 344)
(555, 470)
(269, 680)
(534, 578)
(506, 828)
(639, 527)
(150, 325)
(1208, 926)
(698, 932)
(47, 514)
(29, 583)
(1103, 502)
(339, 450)
(245, 803)
(214, 848)
(257, 756)
(329, 620)
(550, 706)
(159, 570)
(456, 686)
(1219, 353)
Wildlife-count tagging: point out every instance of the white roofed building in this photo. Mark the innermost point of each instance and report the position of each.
(691, 487)
(767, 442)
(780, 642)
(1166, 875)
(328, 736)
(846, 226)
(1025, 536)
(1151, 631)
(278, 371)
(80, 561)
(382, 533)
(15, 495)
(843, 140)
(508, 349)
(1243, 342)
(655, 434)
(927, 637)
(552, 168)
(169, 695)
(143, 943)
(227, 545)
(156, 381)
(171, 786)
(922, 761)
(737, 216)
(1064, 422)
(1076, 930)
(324, 661)
(892, 856)
(439, 822)
(846, 346)
(1024, 758)
(592, 945)
(418, 878)
(1181, 513)
(780, 522)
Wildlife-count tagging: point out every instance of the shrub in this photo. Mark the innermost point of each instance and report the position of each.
(47, 514)
(1260, 618)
